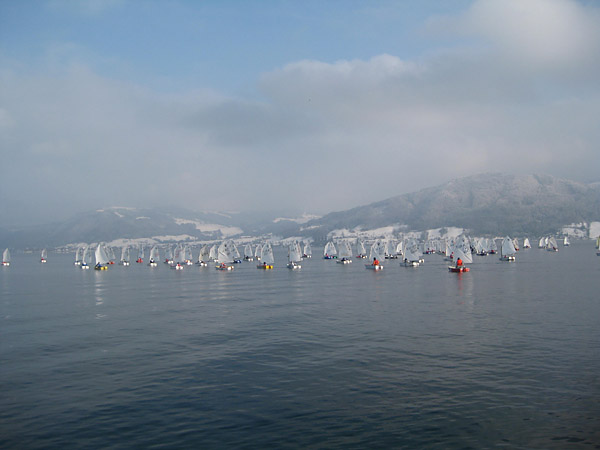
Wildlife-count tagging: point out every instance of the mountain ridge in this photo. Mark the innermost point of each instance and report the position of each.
(485, 204)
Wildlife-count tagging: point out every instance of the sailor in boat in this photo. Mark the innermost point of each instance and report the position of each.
(459, 262)
(375, 262)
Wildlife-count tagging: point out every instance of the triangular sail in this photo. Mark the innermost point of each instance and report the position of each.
(294, 252)
(6, 256)
(329, 249)
(267, 254)
(84, 255)
(345, 251)
(100, 254)
(154, 255)
(307, 249)
(508, 247)
(412, 252)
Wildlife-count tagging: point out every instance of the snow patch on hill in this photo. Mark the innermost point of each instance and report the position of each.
(210, 227)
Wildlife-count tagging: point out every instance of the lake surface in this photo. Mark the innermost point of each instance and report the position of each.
(331, 356)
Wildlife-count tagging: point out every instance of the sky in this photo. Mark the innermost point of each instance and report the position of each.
(280, 105)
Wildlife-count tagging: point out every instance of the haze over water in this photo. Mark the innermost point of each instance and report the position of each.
(328, 356)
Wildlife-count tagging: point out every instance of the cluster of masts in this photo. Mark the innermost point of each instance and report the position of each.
(409, 250)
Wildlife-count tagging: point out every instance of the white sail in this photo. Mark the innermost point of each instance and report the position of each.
(141, 252)
(84, 255)
(100, 254)
(462, 249)
(360, 248)
(213, 254)
(267, 254)
(566, 242)
(516, 244)
(375, 251)
(412, 252)
(204, 254)
(526, 243)
(258, 251)
(179, 254)
(225, 253)
(344, 249)
(552, 244)
(248, 251)
(329, 249)
(125, 253)
(6, 256)
(44, 254)
(508, 247)
(294, 252)
(154, 255)
(307, 249)
(78, 254)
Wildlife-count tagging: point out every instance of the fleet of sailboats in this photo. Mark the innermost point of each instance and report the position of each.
(226, 253)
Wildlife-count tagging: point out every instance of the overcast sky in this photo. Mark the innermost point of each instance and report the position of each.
(287, 105)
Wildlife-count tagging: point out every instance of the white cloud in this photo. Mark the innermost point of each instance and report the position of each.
(324, 136)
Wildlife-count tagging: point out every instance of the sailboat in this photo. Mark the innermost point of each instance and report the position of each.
(389, 252)
(462, 251)
(294, 256)
(598, 246)
(178, 258)
(84, 257)
(6, 258)
(257, 252)
(267, 257)
(78, 256)
(213, 253)
(542, 243)
(154, 257)
(345, 252)
(507, 250)
(168, 255)
(225, 256)
(124, 256)
(44, 256)
(307, 250)
(566, 242)
(526, 243)
(237, 258)
(248, 253)
(375, 257)
(412, 254)
(203, 256)
(361, 251)
(552, 245)
(330, 252)
(140, 258)
(101, 258)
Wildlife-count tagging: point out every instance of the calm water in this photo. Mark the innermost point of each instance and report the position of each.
(331, 356)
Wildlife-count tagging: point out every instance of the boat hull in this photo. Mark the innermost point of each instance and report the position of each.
(265, 266)
(455, 269)
(374, 267)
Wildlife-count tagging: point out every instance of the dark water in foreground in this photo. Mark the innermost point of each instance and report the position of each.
(331, 356)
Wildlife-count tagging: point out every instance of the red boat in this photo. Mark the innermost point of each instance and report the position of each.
(458, 269)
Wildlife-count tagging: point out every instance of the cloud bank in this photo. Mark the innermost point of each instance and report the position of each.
(515, 90)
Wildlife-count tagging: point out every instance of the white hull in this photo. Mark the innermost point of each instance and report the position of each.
(124, 263)
(85, 266)
(5, 263)
(344, 261)
(294, 266)
(152, 264)
(201, 264)
(508, 258)
(224, 268)
(177, 267)
(374, 267)
(410, 263)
